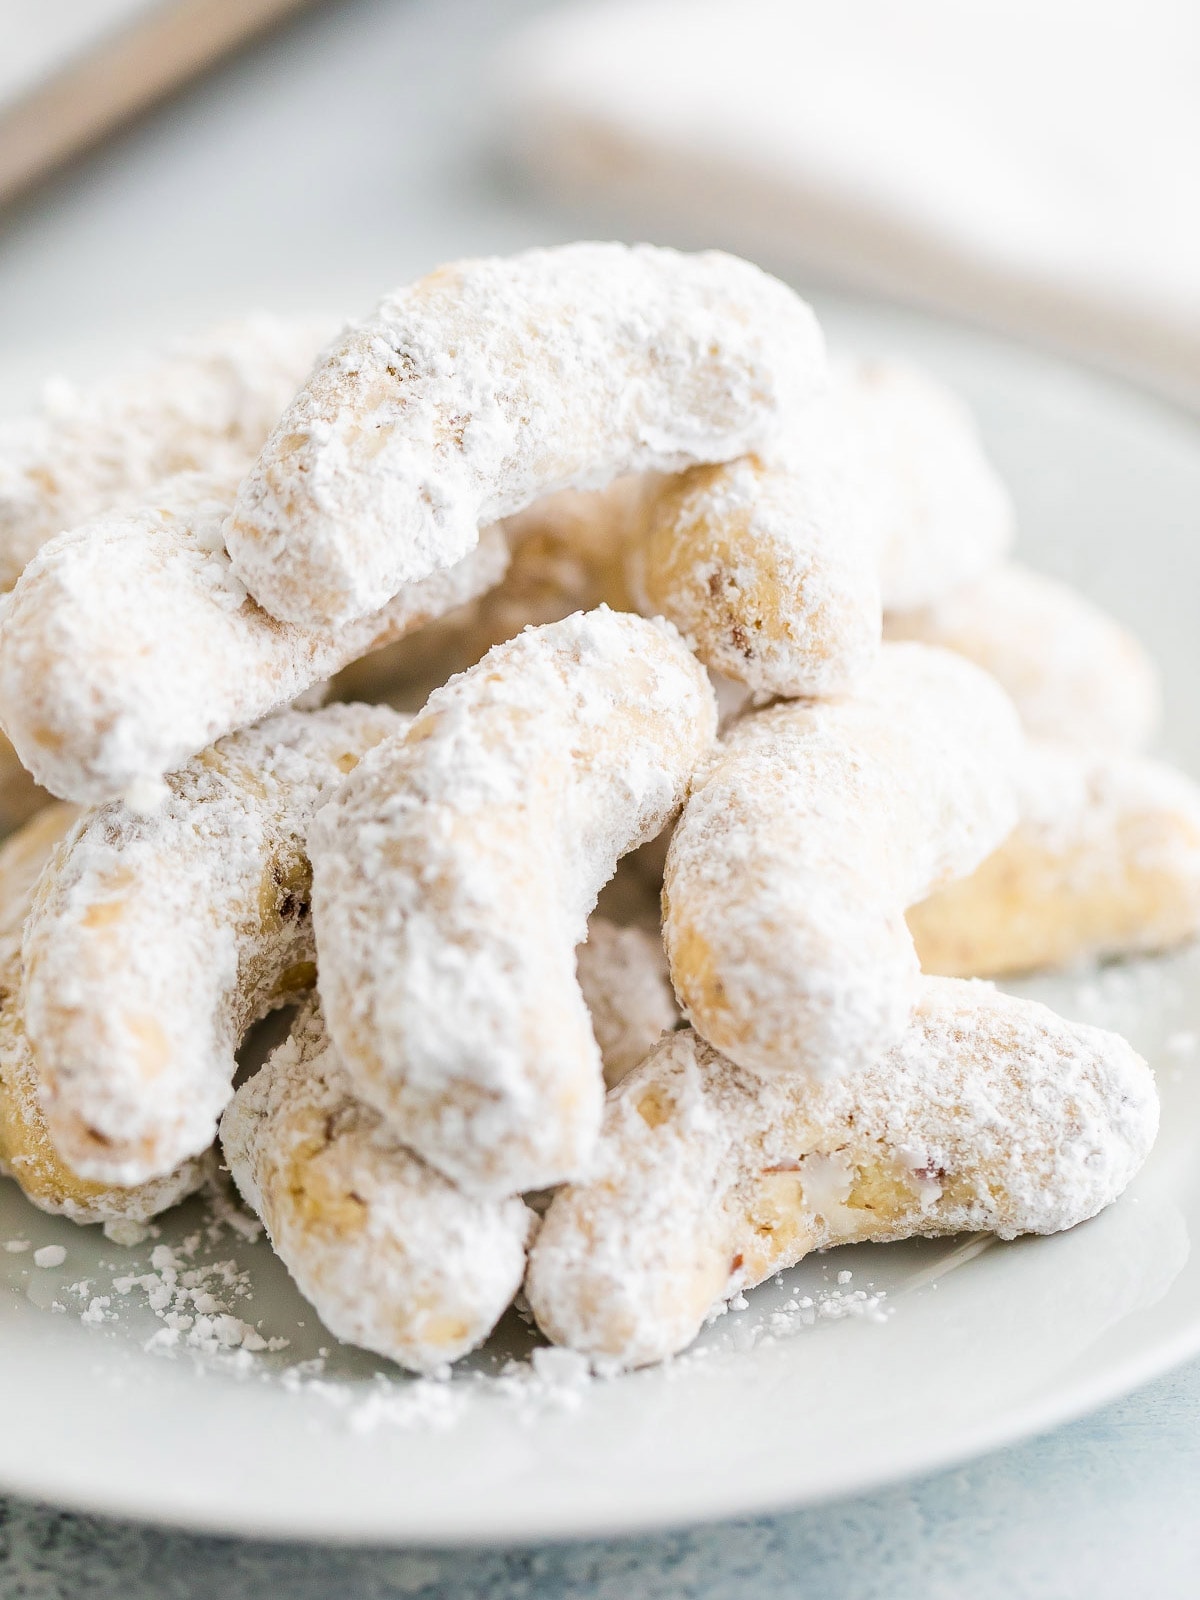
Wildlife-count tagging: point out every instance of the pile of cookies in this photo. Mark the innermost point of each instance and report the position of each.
(628, 594)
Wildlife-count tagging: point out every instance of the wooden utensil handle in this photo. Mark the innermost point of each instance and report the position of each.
(121, 76)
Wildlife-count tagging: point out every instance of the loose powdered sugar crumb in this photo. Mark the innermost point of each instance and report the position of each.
(125, 1231)
(194, 1303)
(196, 1308)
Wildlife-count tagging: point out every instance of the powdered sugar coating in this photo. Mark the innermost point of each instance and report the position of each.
(206, 404)
(990, 1113)
(766, 565)
(566, 554)
(454, 873)
(472, 392)
(940, 515)
(390, 1253)
(154, 942)
(626, 987)
(1104, 862)
(128, 644)
(26, 1152)
(771, 566)
(1074, 674)
(812, 830)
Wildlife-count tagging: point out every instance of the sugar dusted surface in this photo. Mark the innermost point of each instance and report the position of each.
(767, 564)
(433, 1390)
(391, 1254)
(454, 874)
(626, 986)
(205, 404)
(469, 394)
(941, 516)
(128, 644)
(26, 1151)
(566, 554)
(155, 941)
(1075, 675)
(990, 1114)
(807, 836)
(1104, 862)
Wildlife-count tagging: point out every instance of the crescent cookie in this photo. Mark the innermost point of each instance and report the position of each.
(1074, 674)
(1104, 862)
(392, 1256)
(474, 391)
(155, 942)
(453, 875)
(812, 830)
(990, 1114)
(207, 403)
(128, 644)
(26, 1152)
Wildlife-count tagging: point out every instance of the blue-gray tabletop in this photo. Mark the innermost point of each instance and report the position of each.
(342, 155)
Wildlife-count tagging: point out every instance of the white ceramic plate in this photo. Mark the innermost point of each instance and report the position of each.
(782, 1402)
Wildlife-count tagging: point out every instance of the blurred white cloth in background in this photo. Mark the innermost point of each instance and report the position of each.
(1031, 163)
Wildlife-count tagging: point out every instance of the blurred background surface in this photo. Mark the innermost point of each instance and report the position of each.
(1031, 164)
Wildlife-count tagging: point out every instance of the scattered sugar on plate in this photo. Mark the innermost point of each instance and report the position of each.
(50, 1255)
(427, 1403)
(195, 1301)
(125, 1231)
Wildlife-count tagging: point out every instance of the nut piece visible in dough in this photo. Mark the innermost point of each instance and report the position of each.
(206, 404)
(26, 1152)
(454, 873)
(491, 382)
(625, 983)
(990, 1114)
(808, 836)
(1105, 861)
(128, 644)
(391, 1254)
(1074, 674)
(154, 942)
